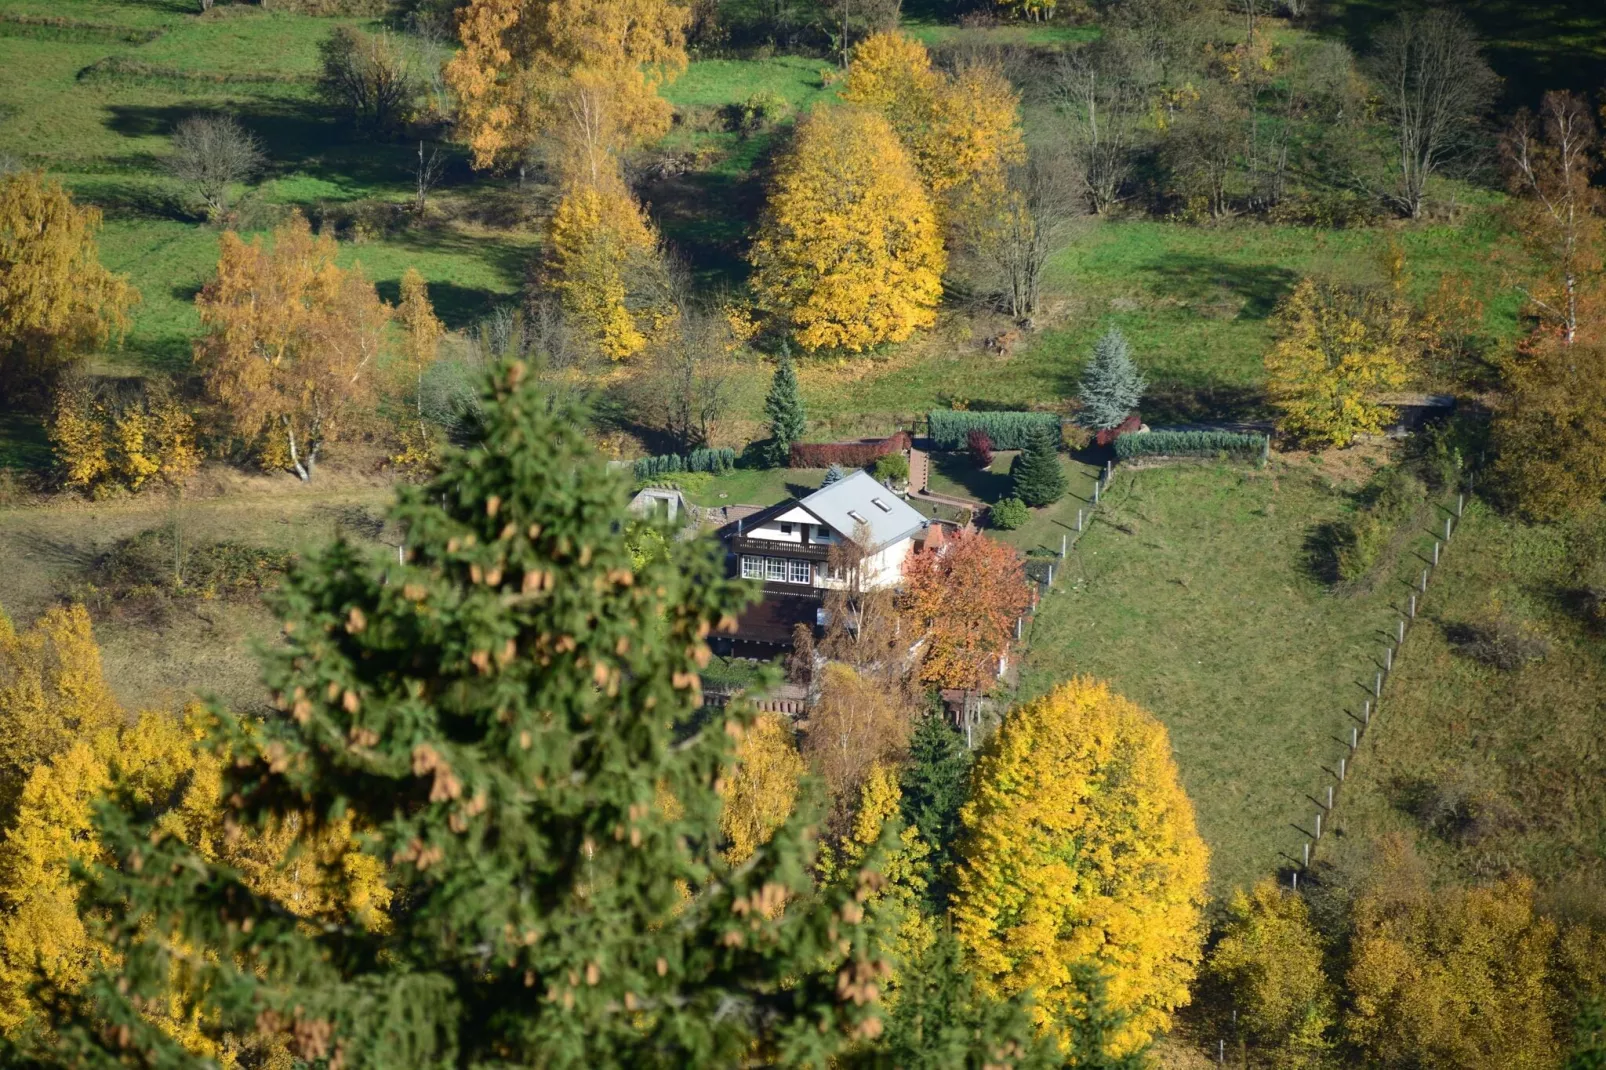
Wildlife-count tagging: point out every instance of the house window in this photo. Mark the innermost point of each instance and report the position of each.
(775, 569)
(786, 529)
(752, 568)
(799, 571)
(823, 532)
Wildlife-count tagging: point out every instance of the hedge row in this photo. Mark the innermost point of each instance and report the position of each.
(1008, 430)
(1183, 443)
(695, 461)
(860, 454)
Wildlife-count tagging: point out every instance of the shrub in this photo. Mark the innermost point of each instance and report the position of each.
(894, 466)
(1009, 513)
(860, 454)
(712, 461)
(1392, 497)
(106, 443)
(760, 111)
(1007, 430)
(980, 447)
(1500, 640)
(1187, 443)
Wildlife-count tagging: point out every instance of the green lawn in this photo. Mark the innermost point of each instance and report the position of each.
(1192, 595)
(1491, 771)
(757, 486)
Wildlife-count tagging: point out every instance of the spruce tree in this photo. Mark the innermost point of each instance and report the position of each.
(936, 783)
(1039, 479)
(833, 474)
(1111, 385)
(513, 720)
(784, 407)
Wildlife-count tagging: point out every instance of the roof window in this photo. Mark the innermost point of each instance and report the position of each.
(857, 516)
(881, 505)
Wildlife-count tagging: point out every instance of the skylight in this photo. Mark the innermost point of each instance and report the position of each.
(857, 516)
(881, 505)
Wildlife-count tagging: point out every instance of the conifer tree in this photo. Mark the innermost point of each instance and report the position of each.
(1111, 385)
(784, 408)
(1039, 479)
(515, 716)
(833, 474)
(935, 785)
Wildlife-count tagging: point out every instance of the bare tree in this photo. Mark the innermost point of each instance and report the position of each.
(371, 77)
(689, 383)
(1102, 94)
(1204, 151)
(1435, 87)
(211, 153)
(426, 176)
(1551, 160)
(1040, 207)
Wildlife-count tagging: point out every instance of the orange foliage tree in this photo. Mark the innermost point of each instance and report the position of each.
(965, 598)
(524, 63)
(292, 341)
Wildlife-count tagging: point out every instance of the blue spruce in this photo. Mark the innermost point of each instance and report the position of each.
(1111, 385)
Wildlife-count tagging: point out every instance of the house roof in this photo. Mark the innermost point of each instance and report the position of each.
(859, 499)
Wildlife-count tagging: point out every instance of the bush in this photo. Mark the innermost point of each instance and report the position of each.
(1007, 514)
(152, 565)
(1007, 430)
(1499, 640)
(1392, 496)
(704, 460)
(894, 466)
(1187, 443)
(860, 454)
(760, 111)
(105, 443)
(980, 447)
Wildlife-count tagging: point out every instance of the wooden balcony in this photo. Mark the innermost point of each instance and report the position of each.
(743, 544)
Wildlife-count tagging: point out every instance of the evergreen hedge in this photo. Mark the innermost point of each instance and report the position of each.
(704, 460)
(1008, 430)
(1186, 443)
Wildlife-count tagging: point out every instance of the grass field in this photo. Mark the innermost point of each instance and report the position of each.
(1493, 771)
(1192, 594)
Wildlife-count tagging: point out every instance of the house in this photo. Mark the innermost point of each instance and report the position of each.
(787, 548)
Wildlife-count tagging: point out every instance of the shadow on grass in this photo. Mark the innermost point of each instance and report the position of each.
(23, 443)
(986, 485)
(457, 306)
(1199, 279)
(1180, 403)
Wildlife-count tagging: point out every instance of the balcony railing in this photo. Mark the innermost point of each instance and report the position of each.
(744, 544)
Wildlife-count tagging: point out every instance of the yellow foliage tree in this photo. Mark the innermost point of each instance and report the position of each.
(526, 65)
(52, 693)
(55, 297)
(849, 253)
(1338, 348)
(104, 444)
(292, 341)
(960, 129)
(903, 867)
(420, 348)
(1270, 958)
(761, 789)
(598, 243)
(1081, 851)
(1444, 978)
(861, 721)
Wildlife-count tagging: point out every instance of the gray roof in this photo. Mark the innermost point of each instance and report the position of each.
(857, 499)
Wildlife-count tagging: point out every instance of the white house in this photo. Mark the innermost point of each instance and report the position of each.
(787, 547)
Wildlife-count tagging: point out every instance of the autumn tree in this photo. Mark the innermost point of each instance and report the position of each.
(292, 344)
(1022, 227)
(964, 599)
(1080, 853)
(51, 693)
(1435, 86)
(56, 300)
(687, 385)
(862, 628)
(849, 254)
(106, 440)
(1338, 349)
(1549, 427)
(761, 788)
(523, 61)
(1451, 977)
(600, 246)
(513, 715)
(1271, 959)
(1551, 160)
(961, 129)
(857, 721)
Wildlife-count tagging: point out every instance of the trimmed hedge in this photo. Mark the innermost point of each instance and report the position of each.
(860, 454)
(1185, 443)
(706, 460)
(949, 430)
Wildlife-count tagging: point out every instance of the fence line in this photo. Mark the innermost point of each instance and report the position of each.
(1374, 705)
